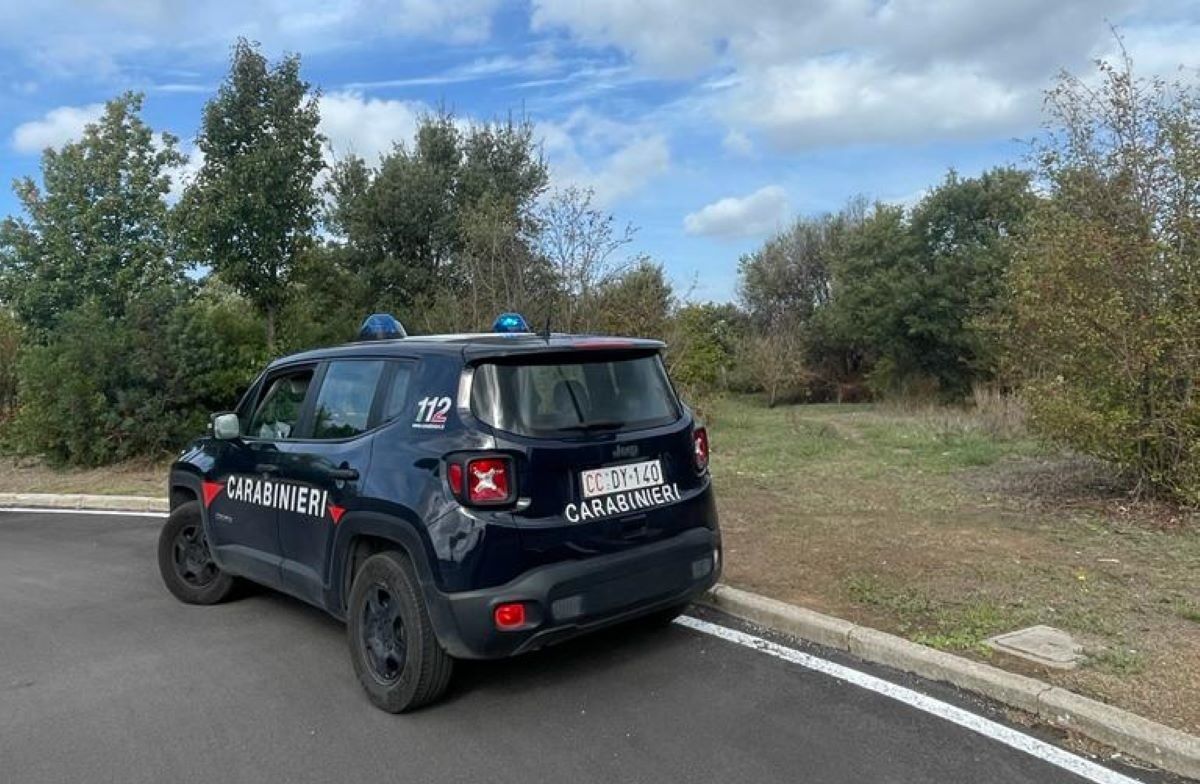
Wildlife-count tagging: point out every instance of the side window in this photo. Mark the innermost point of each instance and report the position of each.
(397, 392)
(278, 412)
(344, 402)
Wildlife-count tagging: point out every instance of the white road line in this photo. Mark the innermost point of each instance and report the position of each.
(998, 732)
(44, 510)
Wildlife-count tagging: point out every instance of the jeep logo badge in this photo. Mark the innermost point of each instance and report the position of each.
(625, 450)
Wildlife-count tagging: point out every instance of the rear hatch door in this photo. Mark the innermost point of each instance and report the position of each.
(604, 449)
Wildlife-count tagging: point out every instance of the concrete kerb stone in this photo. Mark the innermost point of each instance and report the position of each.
(781, 616)
(1155, 743)
(1165, 747)
(106, 503)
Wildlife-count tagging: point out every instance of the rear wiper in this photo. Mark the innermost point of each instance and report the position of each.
(590, 427)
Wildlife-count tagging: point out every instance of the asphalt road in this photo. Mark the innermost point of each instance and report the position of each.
(104, 677)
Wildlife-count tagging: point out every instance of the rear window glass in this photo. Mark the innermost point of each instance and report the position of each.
(547, 399)
(344, 404)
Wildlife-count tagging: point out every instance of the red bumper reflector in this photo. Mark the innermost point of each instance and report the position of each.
(510, 615)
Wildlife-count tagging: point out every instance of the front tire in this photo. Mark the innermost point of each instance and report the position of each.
(395, 652)
(185, 561)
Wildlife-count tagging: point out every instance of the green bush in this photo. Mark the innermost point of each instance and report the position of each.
(10, 346)
(1105, 322)
(103, 389)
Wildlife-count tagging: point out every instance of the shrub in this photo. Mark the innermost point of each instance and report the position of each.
(105, 389)
(10, 346)
(1105, 326)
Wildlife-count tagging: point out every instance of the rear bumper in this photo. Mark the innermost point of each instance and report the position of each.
(567, 599)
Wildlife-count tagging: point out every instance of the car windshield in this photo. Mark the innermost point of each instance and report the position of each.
(552, 398)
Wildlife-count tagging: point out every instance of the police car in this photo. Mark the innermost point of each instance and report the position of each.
(452, 496)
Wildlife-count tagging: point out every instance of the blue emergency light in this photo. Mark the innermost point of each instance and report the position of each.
(381, 326)
(508, 323)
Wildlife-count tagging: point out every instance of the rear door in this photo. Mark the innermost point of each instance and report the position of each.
(606, 449)
(326, 468)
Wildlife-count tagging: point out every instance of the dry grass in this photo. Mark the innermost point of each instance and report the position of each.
(948, 526)
(23, 475)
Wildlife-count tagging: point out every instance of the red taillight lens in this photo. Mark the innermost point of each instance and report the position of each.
(454, 477)
(700, 445)
(509, 616)
(488, 480)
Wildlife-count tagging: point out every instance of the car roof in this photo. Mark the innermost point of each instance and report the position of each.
(476, 346)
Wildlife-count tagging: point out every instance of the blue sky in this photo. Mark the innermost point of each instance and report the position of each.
(706, 124)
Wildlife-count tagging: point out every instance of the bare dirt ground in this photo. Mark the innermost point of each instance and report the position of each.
(937, 526)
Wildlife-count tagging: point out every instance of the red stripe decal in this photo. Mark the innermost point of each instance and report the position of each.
(210, 489)
(336, 513)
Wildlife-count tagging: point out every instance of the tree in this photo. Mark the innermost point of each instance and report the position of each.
(638, 303)
(447, 224)
(910, 292)
(702, 342)
(96, 229)
(580, 241)
(1105, 323)
(10, 348)
(968, 230)
(790, 275)
(251, 209)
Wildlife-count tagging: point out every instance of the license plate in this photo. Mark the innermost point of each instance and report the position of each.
(619, 478)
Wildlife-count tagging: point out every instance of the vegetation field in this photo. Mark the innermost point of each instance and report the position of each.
(948, 527)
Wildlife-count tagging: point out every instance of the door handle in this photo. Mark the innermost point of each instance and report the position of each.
(266, 468)
(343, 474)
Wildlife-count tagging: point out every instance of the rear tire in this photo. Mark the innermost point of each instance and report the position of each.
(395, 652)
(185, 561)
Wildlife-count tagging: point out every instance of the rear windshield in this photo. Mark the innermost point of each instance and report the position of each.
(548, 399)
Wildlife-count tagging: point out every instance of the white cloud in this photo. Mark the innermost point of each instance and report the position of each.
(815, 72)
(99, 39)
(845, 101)
(614, 159)
(746, 216)
(181, 176)
(737, 143)
(56, 128)
(367, 127)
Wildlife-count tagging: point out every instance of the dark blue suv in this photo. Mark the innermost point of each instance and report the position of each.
(454, 496)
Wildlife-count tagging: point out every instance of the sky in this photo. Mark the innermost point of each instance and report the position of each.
(707, 124)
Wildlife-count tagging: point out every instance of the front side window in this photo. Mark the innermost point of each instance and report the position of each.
(547, 399)
(344, 404)
(278, 413)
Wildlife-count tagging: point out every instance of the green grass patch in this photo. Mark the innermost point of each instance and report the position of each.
(1188, 610)
(1120, 661)
(945, 626)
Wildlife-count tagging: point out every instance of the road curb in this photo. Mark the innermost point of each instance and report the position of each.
(1163, 746)
(105, 503)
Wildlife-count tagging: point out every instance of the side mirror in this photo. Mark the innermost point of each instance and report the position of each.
(226, 426)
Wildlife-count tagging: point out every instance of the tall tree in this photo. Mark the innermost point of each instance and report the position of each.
(96, 228)
(446, 223)
(581, 241)
(251, 209)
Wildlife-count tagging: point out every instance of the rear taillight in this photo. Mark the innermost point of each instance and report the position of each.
(481, 480)
(489, 480)
(454, 474)
(700, 448)
(510, 615)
